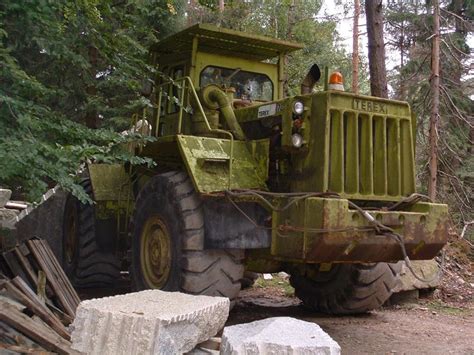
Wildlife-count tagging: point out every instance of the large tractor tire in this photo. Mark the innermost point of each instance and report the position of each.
(346, 288)
(84, 261)
(168, 233)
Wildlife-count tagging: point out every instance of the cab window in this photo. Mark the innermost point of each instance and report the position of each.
(247, 85)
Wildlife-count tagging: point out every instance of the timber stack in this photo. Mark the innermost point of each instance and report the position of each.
(37, 301)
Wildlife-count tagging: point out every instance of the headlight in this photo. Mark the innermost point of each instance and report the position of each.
(298, 107)
(297, 140)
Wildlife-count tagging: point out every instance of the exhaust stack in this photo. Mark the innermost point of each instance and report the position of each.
(310, 79)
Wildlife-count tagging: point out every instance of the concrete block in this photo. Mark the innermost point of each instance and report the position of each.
(427, 269)
(7, 216)
(51, 211)
(5, 195)
(280, 335)
(404, 297)
(147, 322)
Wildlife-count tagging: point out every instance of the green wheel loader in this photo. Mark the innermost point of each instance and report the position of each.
(320, 185)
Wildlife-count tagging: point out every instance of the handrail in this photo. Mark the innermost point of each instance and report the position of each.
(187, 83)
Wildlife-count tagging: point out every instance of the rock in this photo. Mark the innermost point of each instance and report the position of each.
(267, 276)
(147, 322)
(283, 275)
(280, 335)
(5, 195)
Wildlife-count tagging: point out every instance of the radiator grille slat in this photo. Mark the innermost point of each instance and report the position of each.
(336, 183)
(366, 155)
(380, 155)
(407, 152)
(351, 152)
(393, 157)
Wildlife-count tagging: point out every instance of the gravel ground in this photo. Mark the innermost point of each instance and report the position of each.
(428, 327)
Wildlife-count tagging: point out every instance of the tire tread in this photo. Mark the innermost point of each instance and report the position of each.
(356, 288)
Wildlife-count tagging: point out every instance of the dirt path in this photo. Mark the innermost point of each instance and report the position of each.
(427, 328)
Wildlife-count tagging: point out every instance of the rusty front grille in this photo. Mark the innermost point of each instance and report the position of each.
(370, 155)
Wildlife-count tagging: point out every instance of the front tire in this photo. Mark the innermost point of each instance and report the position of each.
(168, 237)
(346, 288)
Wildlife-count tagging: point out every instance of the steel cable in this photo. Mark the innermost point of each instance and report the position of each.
(379, 227)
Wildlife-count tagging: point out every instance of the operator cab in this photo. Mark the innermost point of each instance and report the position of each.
(249, 68)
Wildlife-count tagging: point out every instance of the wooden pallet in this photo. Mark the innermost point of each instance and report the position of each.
(44, 314)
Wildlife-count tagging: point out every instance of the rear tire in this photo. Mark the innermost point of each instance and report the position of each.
(84, 262)
(346, 288)
(168, 235)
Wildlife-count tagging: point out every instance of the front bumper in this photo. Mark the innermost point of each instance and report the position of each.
(320, 230)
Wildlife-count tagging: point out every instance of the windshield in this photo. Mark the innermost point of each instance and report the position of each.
(248, 86)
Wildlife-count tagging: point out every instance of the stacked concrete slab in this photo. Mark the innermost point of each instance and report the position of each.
(280, 335)
(147, 322)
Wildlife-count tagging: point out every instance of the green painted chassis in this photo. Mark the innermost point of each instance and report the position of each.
(314, 229)
(311, 230)
(325, 230)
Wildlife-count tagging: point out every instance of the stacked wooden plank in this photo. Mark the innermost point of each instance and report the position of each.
(37, 301)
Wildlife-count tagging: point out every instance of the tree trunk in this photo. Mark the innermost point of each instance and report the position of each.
(191, 9)
(433, 135)
(92, 118)
(402, 89)
(378, 73)
(221, 8)
(291, 18)
(355, 48)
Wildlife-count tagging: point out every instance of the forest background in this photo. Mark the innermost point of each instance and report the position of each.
(71, 74)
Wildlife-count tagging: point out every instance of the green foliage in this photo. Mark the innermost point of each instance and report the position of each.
(281, 19)
(66, 64)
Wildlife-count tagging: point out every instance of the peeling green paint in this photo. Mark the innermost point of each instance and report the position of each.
(207, 162)
(423, 228)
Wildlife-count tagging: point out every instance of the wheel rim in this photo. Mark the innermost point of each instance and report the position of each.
(70, 242)
(155, 252)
